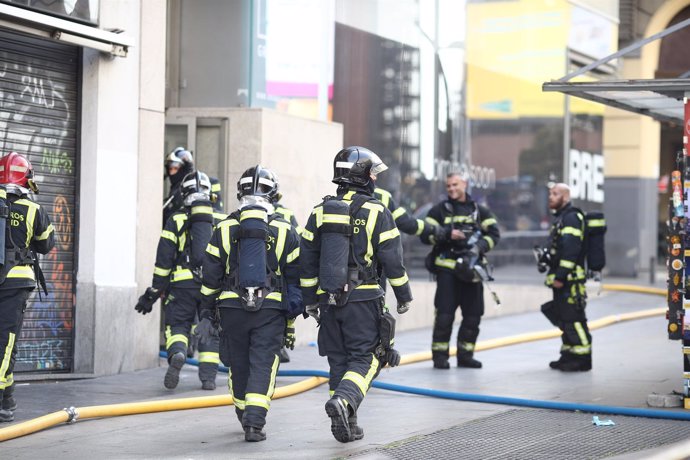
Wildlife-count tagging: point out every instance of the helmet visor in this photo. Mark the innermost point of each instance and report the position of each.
(265, 186)
(378, 166)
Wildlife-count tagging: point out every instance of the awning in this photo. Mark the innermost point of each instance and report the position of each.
(46, 26)
(661, 99)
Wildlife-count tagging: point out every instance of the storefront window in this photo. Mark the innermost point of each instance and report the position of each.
(77, 10)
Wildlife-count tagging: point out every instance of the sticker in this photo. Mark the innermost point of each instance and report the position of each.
(677, 264)
(675, 296)
(676, 279)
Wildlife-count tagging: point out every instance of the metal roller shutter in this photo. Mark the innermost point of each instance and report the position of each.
(39, 113)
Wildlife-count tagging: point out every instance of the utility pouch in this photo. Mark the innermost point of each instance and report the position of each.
(549, 310)
(386, 332)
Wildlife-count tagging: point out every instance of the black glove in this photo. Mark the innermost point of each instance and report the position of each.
(206, 331)
(403, 307)
(313, 311)
(146, 301)
(290, 334)
(440, 234)
(392, 357)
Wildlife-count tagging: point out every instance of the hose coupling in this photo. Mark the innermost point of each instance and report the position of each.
(72, 414)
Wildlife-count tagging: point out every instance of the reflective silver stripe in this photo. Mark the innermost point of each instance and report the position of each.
(256, 399)
(439, 346)
(228, 295)
(344, 164)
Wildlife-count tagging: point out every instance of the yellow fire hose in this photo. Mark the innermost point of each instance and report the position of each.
(72, 414)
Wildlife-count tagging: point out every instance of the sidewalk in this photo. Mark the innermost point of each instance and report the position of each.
(631, 360)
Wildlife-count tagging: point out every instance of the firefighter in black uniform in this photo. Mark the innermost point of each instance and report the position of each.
(469, 231)
(180, 255)
(403, 220)
(27, 230)
(565, 259)
(349, 317)
(178, 164)
(251, 282)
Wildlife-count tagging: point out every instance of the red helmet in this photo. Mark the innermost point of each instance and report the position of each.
(16, 169)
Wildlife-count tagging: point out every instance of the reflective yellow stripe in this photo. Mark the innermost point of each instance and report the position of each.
(307, 235)
(3, 193)
(566, 264)
(205, 290)
(254, 214)
(255, 399)
(239, 403)
(571, 231)
(275, 296)
(486, 222)
(420, 227)
(182, 275)
(274, 372)
(171, 339)
(280, 246)
(395, 282)
(293, 255)
(215, 187)
(318, 215)
(209, 357)
(214, 251)
(489, 240)
(581, 349)
(596, 223)
(336, 219)
(21, 271)
(439, 346)
(363, 382)
(218, 216)
(30, 219)
(225, 241)
(202, 210)
(398, 212)
(46, 234)
(371, 225)
(308, 282)
(162, 271)
(446, 263)
(228, 295)
(6, 360)
(458, 219)
(581, 333)
(368, 286)
(168, 235)
(384, 195)
(433, 221)
(389, 235)
(467, 346)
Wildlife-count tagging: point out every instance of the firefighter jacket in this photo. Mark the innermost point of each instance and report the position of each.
(175, 200)
(174, 265)
(288, 215)
(221, 264)
(28, 229)
(375, 240)
(566, 247)
(404, 221)
(477, 223)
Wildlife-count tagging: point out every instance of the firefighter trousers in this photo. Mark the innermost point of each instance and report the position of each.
(348, 336)
(12, 306)
(567, 312)
(451, 293)
(181, 307)
(250, 344)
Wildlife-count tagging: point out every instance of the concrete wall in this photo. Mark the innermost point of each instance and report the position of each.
(121, 191)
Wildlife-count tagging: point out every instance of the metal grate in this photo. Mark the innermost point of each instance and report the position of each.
(536, 435)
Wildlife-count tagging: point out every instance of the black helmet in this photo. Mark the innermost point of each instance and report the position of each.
(355, 166)
(195, 186)
(180, 157)
(257, 181)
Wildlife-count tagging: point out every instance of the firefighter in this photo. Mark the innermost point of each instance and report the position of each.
(289, 216)
(345, 240)
(470, 230)
(27, 230)
(565, 259)
(251, 287)
(179, 258)
(178, 164)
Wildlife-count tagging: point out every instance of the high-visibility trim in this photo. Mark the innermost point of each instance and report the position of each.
(398, 212)
(239, 403)
(489, 240)
(293, 255)
(389, 235)
(336, 219)
(278, 224)
(385, 195)
(254, 214)
(565, 347)
(228, 295)
(566, 263)
(458, 219)
(490, 221)
(581, 350)
(318, 216)
(440, 346)
(30, 219)
(182, 275)
(274, 372)
(207, 291)
(256, 399)
(596, 223)
(432, 221)
(395, 282)
(168, 235)
(445, 263)
(218, 216)
(5, 364)
(3, 194)
(202, 210)
(21, 271)
(215, 187)
(165, 272)
(368, 286)
(275, 296)
(225, 239)
(467, 346)
(46, 233)
(581, 333)
(349, 195)
(209, 357)
(571, 231)
(370, 226)
(420, 227)
(214, 251)
(372, 206)
(280, 245)
(307, 235)
(363, 382)
(171, 339)
(308, 282)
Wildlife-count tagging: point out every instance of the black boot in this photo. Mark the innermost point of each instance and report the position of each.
(578, 364)
(207, 375)
(253, 434)
(465, 359)
(337, 410)
(8, 401)
(172, 376)
(356, 431)
(440, 360)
